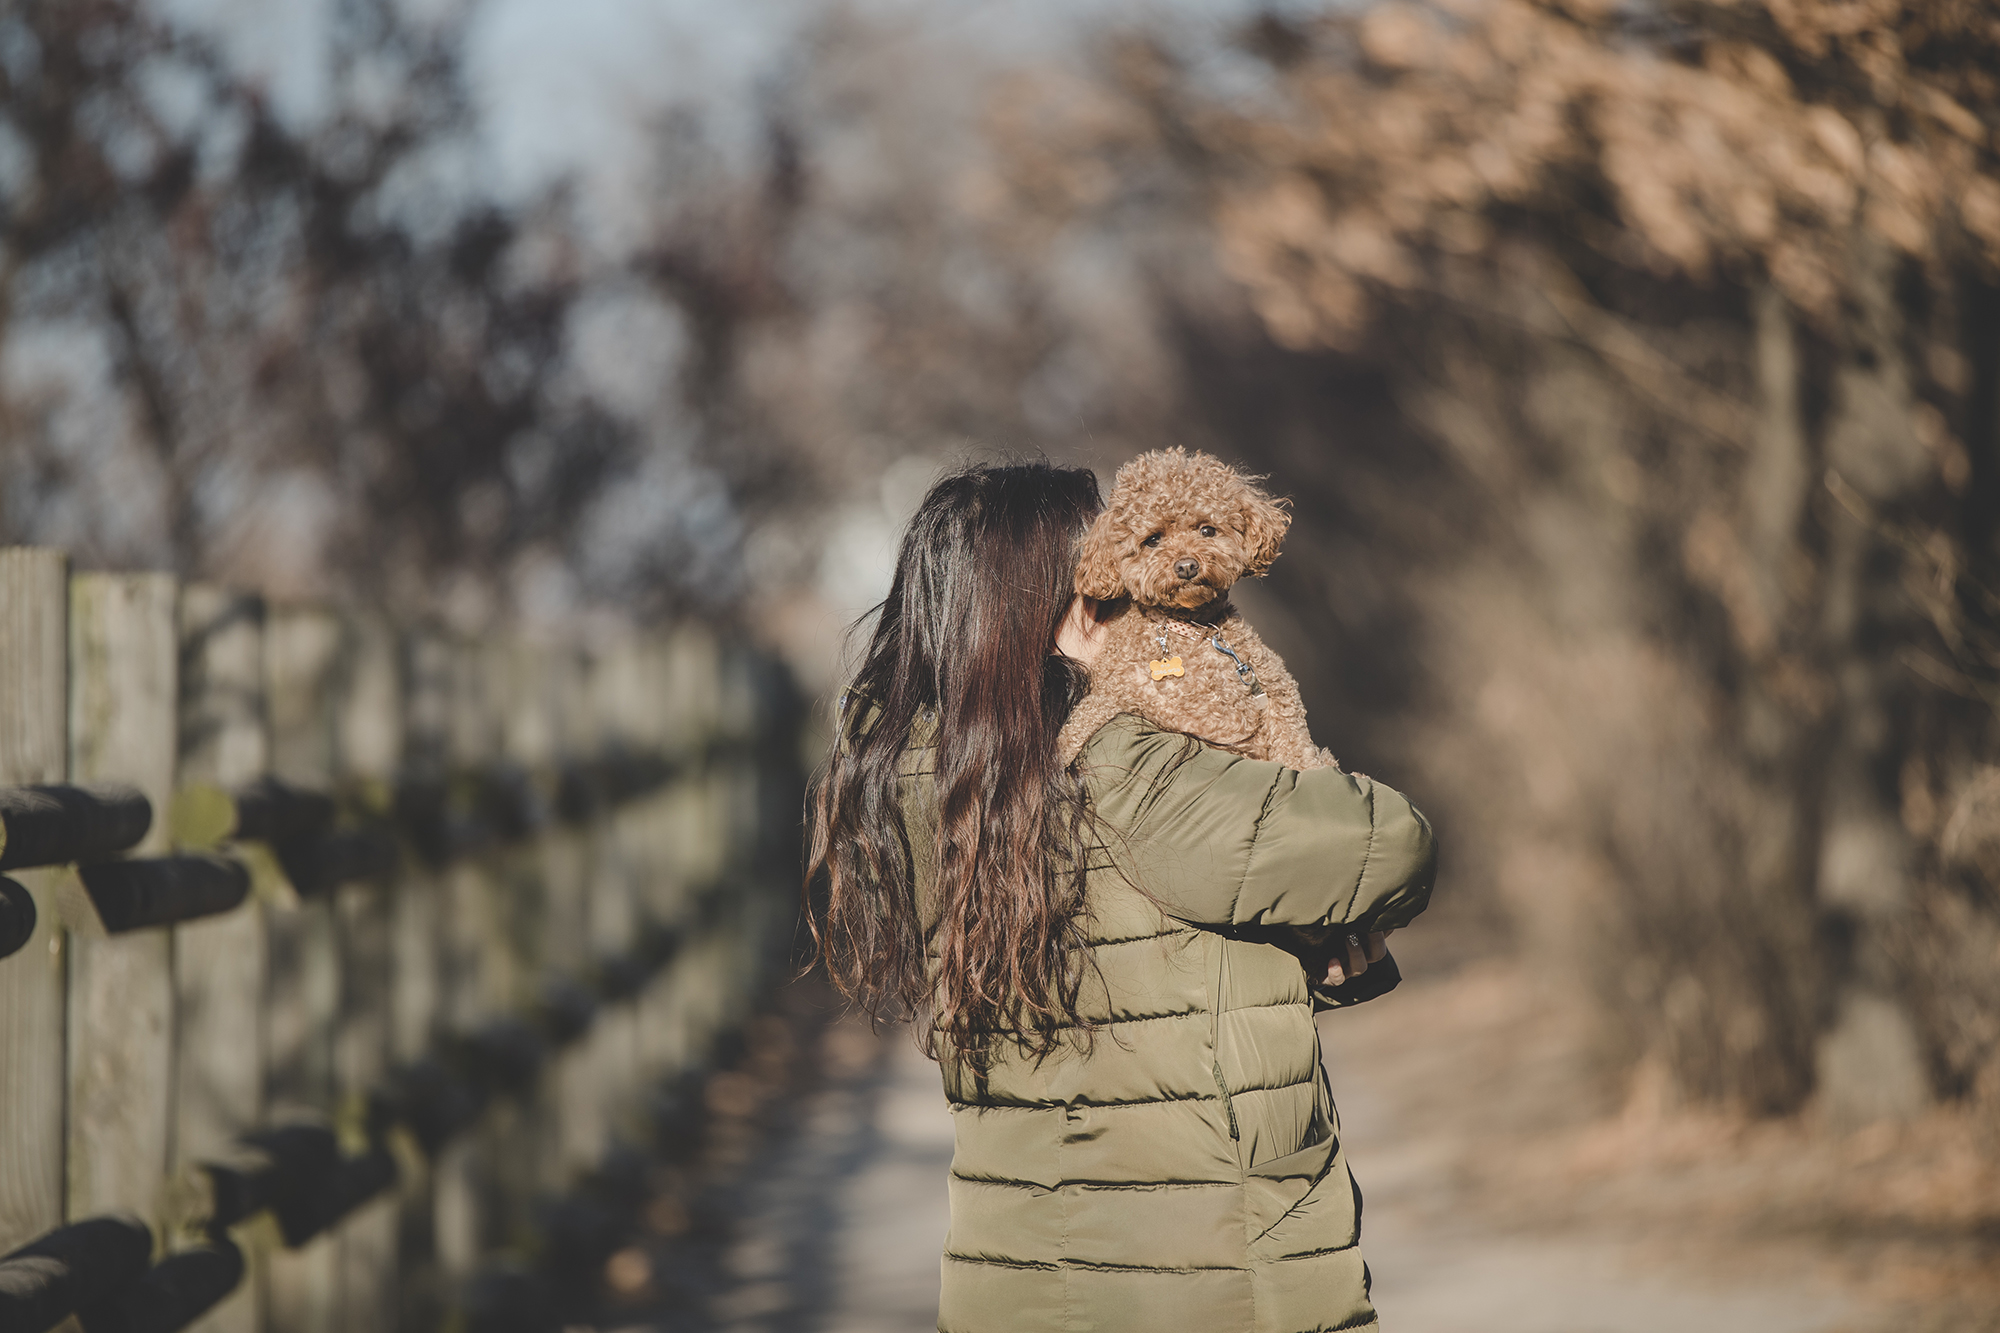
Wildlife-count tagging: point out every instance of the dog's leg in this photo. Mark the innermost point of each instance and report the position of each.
(1291, 740)
(1287, 737)
(1097, 708)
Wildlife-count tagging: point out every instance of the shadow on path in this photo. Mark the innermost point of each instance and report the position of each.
(837, 1225)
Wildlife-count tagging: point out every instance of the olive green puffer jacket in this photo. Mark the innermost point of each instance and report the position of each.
(1183, 1171)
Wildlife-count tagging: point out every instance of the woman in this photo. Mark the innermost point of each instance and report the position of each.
(1144, 1135)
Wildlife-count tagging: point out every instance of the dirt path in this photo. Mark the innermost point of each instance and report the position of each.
(1504, 1194)
(1448, 1252)
(843, 1222)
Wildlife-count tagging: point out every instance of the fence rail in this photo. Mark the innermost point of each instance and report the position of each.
(349, 972)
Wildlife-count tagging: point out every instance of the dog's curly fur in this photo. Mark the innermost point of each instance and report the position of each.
(1177, 532)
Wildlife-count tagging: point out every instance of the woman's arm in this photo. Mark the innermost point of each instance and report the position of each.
(1223, 840)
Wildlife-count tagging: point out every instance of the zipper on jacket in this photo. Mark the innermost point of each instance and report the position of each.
(1227, 1105)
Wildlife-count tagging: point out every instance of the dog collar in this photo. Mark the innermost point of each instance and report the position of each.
(1171, 666)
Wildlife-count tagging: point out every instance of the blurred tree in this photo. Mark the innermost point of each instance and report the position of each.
(315, 357)
(1685, 317)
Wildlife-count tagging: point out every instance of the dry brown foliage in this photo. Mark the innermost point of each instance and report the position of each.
(1744, 138)
(1650, 433)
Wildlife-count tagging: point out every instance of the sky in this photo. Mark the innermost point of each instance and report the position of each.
(571, 94)
(570, 90)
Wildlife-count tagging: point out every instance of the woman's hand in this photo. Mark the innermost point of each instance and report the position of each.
(1352, 955)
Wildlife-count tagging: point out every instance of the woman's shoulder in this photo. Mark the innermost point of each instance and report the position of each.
(1130, 741)
(1131, 755)
(1127, 737)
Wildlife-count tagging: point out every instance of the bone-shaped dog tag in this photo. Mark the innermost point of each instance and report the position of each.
(1170, 667)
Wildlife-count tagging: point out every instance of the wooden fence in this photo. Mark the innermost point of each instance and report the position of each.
(341, 962)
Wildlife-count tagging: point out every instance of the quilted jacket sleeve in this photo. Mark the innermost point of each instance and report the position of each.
(1222, 840)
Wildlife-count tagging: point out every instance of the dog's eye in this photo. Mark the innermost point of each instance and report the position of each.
(1153, 540)
(1208, 529)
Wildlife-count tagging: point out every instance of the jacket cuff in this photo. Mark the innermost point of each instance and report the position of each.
(1381, 977)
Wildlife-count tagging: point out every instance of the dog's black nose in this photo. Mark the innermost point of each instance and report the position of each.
(1187, 569)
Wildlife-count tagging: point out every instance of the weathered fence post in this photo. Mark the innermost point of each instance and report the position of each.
(368, 747)
(480, 978)
(518, 678)
(301, 653)
(219, 960)
(418, 986)
(486, 973)
(612, 712)
(123, 658)
(634, 706)
(493, 894)
(646, 834)
(34, 748)
(743, 910)
(701, 839)
(579, 1123)
(463, 932)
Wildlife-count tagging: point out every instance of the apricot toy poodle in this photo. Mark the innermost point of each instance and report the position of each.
(1176, 533)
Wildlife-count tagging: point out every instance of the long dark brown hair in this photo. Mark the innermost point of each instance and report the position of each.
(962, 651)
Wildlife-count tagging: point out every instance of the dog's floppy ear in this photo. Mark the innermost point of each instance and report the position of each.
(1265, 523)
(1099, 571)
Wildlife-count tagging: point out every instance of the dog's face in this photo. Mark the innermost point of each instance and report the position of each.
(1178, 530)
